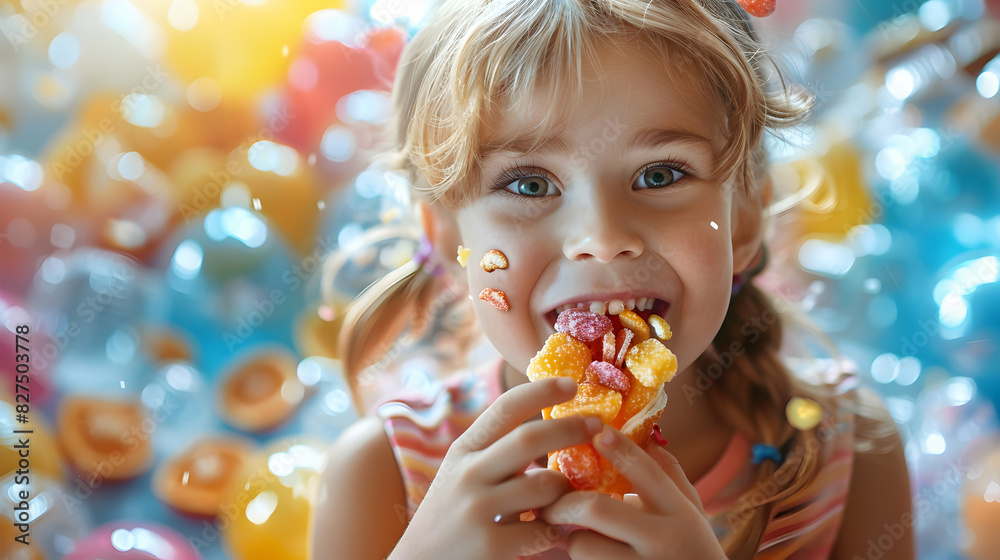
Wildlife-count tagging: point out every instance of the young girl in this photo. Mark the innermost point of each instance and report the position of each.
(611, 150)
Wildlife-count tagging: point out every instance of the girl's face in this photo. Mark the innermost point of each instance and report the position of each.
(626, 211)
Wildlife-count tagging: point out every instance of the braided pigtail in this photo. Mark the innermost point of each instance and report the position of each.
(752, 396)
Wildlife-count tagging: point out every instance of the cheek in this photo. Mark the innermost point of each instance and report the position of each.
(702, 259)
(512, 332)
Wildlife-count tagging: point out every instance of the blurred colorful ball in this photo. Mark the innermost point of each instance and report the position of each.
(323, 74)
(317, 330)
(164, 344)
(55, 517)
(981, 502)
(841, 200)
(196, 480)
(261, 391)
(275, 502)
(91, 302)
(105, 439)
(25, 370)
(131, 540)
(179, 401)
(39, 443)
(35, 220)
(207, 40)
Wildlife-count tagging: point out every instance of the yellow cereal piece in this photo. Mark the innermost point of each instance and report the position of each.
(494, 259)
(463, 255)
(633, 322)
(661, 329)
(651, 363)
(591, 400)
(562, 356)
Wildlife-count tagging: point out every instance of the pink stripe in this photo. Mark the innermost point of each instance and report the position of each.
(839, 508)
(728, 466)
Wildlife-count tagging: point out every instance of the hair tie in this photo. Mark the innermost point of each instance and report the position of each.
(763, 451)
(424, 254)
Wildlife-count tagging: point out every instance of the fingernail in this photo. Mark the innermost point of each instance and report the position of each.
(593, 424)
(607, 437)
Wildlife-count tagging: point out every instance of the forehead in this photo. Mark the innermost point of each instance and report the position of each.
(627, 96)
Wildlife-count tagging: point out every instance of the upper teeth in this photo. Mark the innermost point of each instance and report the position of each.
(612, 307)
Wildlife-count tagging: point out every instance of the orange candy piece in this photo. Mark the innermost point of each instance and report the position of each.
(591, 400)
(634, 323)
(661, 329)
(562, 356)
(652, 363)
(580, 464)
(262, 392)
(605, 389)
(105, 439)
(496, 298)
(637, 398)
(195, 480)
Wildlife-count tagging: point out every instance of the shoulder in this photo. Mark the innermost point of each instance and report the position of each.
(878, 518)
(361, 500)
(857, 452)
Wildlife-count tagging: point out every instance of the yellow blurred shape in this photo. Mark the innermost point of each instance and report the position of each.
(244, 47)
(272, 502)
(841, 200)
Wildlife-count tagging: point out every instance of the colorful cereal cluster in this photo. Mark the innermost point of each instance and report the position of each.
(618, 375)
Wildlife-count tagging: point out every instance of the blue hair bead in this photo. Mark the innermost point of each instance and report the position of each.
(762, 452)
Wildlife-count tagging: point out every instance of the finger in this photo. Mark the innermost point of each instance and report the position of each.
(534, 489)
(659, 494)
(515, 450)
(532, 537)
(600, 512)
(672, 467)
(514, 407)
(590, 545)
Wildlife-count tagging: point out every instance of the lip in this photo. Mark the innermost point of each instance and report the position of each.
(660, 306)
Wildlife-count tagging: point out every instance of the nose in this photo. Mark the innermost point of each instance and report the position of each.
(602, 230)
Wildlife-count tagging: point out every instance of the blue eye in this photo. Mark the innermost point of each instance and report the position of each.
(521, 182)
(658, 176)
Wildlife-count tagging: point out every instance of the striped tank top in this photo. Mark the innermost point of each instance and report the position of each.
(421, 427)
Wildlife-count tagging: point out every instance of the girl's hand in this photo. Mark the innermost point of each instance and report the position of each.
(482, 476)
(665, 521)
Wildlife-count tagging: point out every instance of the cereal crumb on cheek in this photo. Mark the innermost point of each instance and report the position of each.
(494, 259)
(496, 298)
(463, 255)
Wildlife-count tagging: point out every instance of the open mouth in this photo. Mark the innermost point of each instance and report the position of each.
(644, 307)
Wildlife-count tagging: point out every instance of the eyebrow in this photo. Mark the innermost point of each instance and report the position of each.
(644, 139)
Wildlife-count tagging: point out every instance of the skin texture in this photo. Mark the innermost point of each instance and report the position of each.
(596, 231)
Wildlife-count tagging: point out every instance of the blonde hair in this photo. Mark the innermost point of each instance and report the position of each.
(473, 62)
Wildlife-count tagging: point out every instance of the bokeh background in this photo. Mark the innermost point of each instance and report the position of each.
(174, 173)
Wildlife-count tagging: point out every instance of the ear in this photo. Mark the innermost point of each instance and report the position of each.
(441, 228)
(748, 222)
